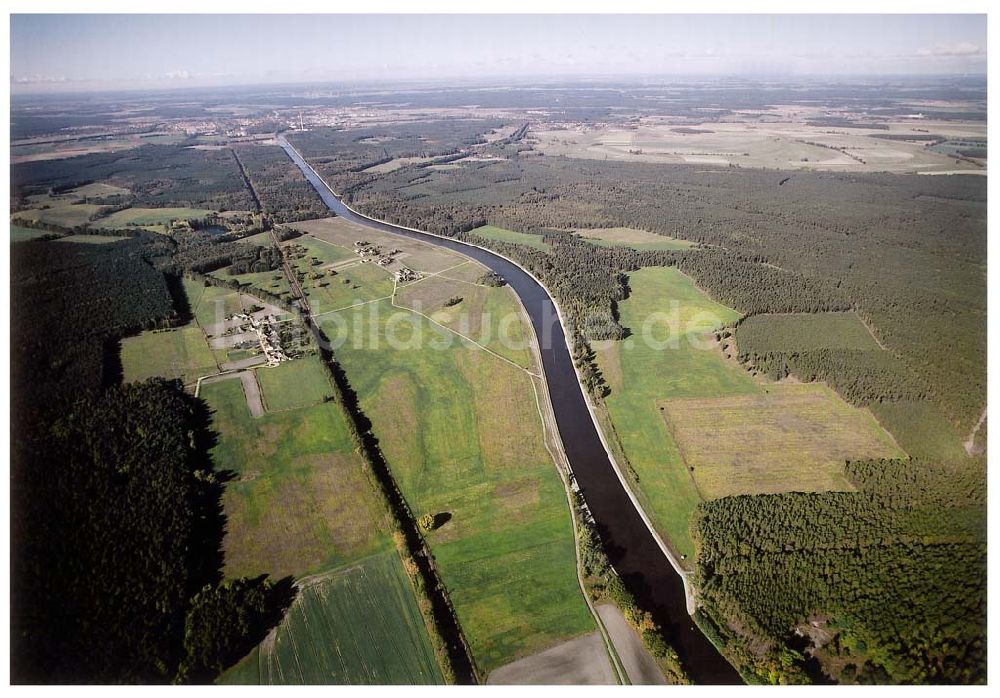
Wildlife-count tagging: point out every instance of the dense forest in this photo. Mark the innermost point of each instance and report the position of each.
(69, 301)
(155, 175)
(885, 584)
(341, 156)
(285, 196)
(116, 517)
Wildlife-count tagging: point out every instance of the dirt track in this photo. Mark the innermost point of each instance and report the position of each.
(251, 390)
(248, 362)
(970, 443)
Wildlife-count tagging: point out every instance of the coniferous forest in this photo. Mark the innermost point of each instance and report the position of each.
(116, 512)
(881, 585)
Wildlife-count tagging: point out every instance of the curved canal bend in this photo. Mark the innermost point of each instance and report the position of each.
(631, 547)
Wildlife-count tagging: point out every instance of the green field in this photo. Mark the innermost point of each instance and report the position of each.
(91, 239)
(272, 281)
(761, 334)
(356, 285)
(178, 353)
(640, 374)
(20, 234)
(503, 235)
(294, 384)
(97, 189)
(460, 430)
(300, 501)
(211, 304)
(489, 316)
(631, 237)
(356, 625)
(261, 239)
(671, 355)
(317, 250)
(148, 216)
(60, 211)
(351, 285)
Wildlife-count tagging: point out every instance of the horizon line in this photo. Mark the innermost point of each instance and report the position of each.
(23, 89)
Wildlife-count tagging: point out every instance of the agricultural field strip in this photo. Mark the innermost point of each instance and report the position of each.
(550, 436)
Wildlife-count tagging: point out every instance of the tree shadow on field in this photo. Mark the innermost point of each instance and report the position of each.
(253, 605)
(207, 559)
(182, 307)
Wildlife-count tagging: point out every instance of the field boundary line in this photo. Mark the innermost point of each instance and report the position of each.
(348, 307)
(864, 321)
(468, 339)
(970, 443)
(433, 274)
(463, 281)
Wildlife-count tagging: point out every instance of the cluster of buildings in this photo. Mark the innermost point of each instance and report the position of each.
(369, 252)
(267, 336)
(406, 274)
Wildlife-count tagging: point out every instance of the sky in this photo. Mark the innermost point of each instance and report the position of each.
(95, 52)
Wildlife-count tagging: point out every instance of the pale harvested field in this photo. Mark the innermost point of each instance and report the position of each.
(788, 144)
(632, 237)
(393, 165)
(582, 661)
(639, 664)
(430, 295)
(97, 189)
(790, 438)
(29, 152)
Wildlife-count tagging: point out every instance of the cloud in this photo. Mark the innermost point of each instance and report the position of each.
(36, 78)
(963, 49)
